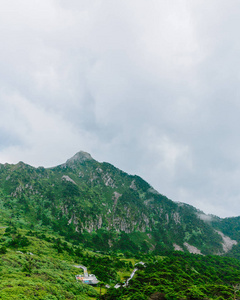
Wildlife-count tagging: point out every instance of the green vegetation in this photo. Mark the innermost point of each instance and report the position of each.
(100, 206)
(33, 269)
(36, 265)
(182, 276)
(93, 214)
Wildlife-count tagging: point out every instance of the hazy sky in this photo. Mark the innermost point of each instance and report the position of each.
(150, 86)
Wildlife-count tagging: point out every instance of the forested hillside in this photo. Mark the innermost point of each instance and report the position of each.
(183, 276)
(38, 265)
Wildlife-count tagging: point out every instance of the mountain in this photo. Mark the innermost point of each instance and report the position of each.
(106, 209)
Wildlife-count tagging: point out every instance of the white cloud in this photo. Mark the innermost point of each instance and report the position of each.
(150, 86)
(45, 137)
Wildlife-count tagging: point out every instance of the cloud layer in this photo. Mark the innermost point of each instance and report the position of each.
(150, 86)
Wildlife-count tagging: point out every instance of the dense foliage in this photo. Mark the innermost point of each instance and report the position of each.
(36, 265)
(32, 268)
(183, 276)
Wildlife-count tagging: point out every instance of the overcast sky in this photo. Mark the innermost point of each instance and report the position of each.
(150, 86)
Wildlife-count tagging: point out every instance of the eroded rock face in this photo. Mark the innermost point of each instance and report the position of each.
(192, 249)
(177, 247)
(227, 243)
(176, 218)
(67, 178)
(133, 185)
(108, 180)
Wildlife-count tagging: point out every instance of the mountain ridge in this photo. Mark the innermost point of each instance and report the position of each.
(103, 207)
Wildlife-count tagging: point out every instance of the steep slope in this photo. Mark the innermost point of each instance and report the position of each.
(103, 207)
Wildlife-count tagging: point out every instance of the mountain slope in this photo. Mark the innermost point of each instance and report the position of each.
(103, 207)
(32, 267)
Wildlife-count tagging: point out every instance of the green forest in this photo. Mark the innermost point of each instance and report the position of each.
(37, 265)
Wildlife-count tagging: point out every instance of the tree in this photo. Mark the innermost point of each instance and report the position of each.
(28, 266)
(3, 250)
(101, 284)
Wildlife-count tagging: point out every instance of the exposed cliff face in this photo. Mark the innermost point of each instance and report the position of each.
(227, 243)
(84, 195)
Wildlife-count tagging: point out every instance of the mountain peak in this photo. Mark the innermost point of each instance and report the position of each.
(79, 157)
